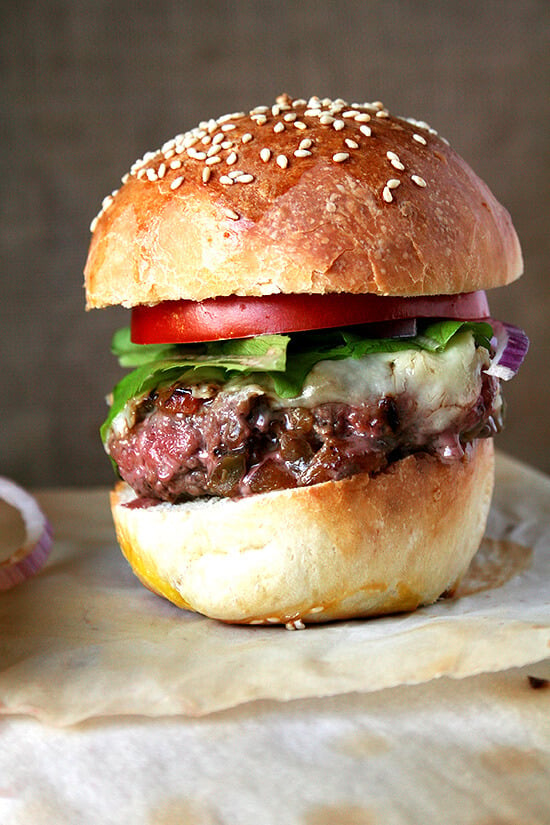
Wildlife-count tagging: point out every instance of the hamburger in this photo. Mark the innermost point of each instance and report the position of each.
(306, 432)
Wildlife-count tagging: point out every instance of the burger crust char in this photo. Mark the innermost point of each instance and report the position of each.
(400, 540)
(378, 204)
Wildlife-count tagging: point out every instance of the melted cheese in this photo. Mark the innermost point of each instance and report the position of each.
(439, 383)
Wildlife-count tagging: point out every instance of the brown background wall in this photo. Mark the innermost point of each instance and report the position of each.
(89, 86)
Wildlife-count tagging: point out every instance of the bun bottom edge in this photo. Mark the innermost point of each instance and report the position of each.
(361, 546)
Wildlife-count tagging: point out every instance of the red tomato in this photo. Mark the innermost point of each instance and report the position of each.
(243, 317)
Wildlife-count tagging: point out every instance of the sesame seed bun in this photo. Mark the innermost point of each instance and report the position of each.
(401, 539)
(302, 197)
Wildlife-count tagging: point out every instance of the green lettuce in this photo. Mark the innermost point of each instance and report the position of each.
(286, 359)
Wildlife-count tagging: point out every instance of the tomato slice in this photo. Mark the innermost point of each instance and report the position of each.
(242, 317)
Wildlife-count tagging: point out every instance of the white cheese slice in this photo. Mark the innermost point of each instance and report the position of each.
(439, 384)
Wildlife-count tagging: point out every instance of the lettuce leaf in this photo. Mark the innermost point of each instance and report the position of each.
(286, 359)
(264, 352)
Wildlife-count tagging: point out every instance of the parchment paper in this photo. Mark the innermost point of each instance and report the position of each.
(85, 639)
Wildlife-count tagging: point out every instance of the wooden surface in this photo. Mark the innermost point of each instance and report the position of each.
(88, 87)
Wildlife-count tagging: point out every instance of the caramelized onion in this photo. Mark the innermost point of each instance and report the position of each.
(31, 556)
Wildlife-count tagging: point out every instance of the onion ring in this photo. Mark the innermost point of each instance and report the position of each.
(31, 556)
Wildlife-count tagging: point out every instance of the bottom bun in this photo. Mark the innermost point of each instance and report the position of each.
(361, 546)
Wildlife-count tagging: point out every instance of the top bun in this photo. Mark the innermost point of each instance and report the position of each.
(310, 196)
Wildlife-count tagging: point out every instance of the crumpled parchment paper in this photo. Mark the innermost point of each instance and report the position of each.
(84, 639)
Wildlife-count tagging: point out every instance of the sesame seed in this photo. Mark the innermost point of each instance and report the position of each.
(206, 172)
(231, 158)
(125, 178)
(418, 180)
(314, 102)
(312, 113)
(297, 624)
(282, 161)
(265, 154)
(302, 153)
(246, 138)
(299, 124)
(161, 170)
(228, 127)
(196, 155)
(382, 113)
(279, 126)
(393, 183)
(305, 143)
(218, 138)
(177, 182)
(365, 130)
(106, 202)
(275, 110)
(361, 117)
(151, 175)
(259, 110)
(260, 119)
(340, 157)
(206, 140)
(317, 609)
(230, 213)
(299, 102)
(227, 144)
(211, 161)
(226, 180)
(338, 125)
(326, 120)
(420, 139)
(94, 223)
(349, 113)
(290, 117)
(235, 173)
(244, 178)
(175, 164)
(214, 150)
(387, 195)
(351, 144)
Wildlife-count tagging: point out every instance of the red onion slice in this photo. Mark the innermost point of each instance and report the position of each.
(31, 556)
(511, 348)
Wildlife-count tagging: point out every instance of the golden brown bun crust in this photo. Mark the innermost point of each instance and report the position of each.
(357, 547)
(394, 215)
